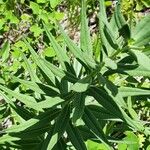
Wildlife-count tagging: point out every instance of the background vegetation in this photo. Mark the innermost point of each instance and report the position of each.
(74, 75)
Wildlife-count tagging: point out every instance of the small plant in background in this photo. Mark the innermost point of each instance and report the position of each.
(87, 97)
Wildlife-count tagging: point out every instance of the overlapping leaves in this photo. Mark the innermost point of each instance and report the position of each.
(60, 104)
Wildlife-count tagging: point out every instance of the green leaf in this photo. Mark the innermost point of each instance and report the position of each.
(130, 136)
(49, 102)
(142, 59)
(78, 104)
(92, 123)
(34, 123)
(122, 146)
(112, 91)
(20, 111)
(54, 3)
(81, 85)
(35, 8)
(141, 33)
(36, 30)
(29, 68)
(49, 52)
(60, 73)
(8, 101)
(129, 91)
(4, 52)
(139, 71)
(103, 10)
(26, 99)
(86, 44)
(148, 147)
(76, 50)
(75, 137)
(106, 101)
(146, 3)
(58, 15)
(41, 1)
(59, 128)
(110, 63)
(40, 63)
(61, 54)
(121, 23)
(101, 113)
(103, 26)
(38, 87)
(110, 36)
(91, 145)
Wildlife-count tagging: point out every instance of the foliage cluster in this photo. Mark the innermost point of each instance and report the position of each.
(56, 94)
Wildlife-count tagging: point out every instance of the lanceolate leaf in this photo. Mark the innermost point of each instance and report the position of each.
(110, 37)
(60, 73)
(139, 71)
(102, 113)
(110, 63)
(19, 143)
(26, 99)
(78, 104)
(4, 52)
(5, 97)
(37, 87)
(75, 137)
(59, 128)
(23, 113)
(106, 101)
(112, 91)
(103, 10)
(86, 44)
(94, 126)
(34, 123)
(121, 23)
(40, 63)
(103, 27)
(49, 102)
(129, 91)
(29, 68)
(77, 51)
(118, 16)
(61, 54)
(141, 33)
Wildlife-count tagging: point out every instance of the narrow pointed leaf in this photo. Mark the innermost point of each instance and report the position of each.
(76, 50)
(37, 87)
(4, 52)
(49, 102)
(61, 54)
(121, 23)
(129, 91)
(29, 68)
(34, 123)
(92, 123)
(59, 128)
(78, 104)
(75, 137)
(106, 101)
(60, 73)
(40, 63)
(141, 33)
(26, 99)
(103, 25)
(86, 44)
